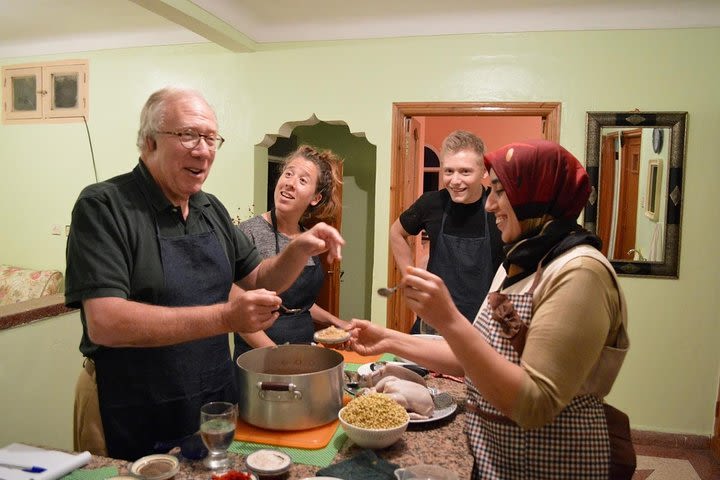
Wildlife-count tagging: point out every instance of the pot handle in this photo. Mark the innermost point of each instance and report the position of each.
(276, 386)
(279, 387)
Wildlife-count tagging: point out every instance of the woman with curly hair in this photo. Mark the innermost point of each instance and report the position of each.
(307, 192)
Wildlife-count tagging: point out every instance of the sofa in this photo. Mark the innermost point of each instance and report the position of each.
(19, 284)
(28, 295)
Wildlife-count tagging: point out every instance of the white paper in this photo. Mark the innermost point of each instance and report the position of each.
(56, 464)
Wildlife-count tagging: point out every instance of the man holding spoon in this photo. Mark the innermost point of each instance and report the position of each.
(465, 244)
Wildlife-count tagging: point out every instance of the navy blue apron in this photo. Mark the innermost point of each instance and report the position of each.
(292, 328)
(465, 265)
(152, 396)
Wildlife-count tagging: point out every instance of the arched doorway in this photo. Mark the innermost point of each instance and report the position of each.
(347, 292)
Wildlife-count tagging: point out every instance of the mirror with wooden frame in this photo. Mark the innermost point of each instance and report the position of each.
(635, 161)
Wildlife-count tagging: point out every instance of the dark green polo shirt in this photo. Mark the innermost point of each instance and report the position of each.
(113, 250)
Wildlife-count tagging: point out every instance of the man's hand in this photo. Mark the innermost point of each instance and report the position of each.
(279, 272)
(251, 311)
(321, 238)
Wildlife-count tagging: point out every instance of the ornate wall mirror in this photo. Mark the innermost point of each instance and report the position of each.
(635, 161)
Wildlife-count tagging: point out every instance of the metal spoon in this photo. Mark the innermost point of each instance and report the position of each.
(290, 310)
(386, 292)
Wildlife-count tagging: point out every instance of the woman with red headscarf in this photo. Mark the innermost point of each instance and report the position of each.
(549, 339)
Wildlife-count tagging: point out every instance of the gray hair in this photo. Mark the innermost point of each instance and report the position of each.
(462, 140)
(152, 116)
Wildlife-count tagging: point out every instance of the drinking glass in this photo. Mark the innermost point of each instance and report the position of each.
(217, 430)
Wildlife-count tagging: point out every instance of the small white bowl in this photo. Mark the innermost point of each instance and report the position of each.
(156, 467)
(371, 437)
(337, 338)
(268, 463)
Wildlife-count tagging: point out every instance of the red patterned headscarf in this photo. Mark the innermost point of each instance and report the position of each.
(541, 178)
(547, 188)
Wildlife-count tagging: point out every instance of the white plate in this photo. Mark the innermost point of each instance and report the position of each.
(438, 414)
(365, 369)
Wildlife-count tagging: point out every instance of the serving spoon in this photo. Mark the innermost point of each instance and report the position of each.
(290, 310)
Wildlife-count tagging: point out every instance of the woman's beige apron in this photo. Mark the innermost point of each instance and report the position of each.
(575, 445)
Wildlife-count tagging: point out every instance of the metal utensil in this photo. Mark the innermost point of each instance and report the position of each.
(386, 292)
(413, 367)
(352, 382)
(441, 399)
(290, 310)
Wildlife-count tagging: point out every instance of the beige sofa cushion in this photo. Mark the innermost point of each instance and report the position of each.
(20, 284)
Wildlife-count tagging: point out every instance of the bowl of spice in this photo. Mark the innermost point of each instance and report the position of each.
(156, 467)
(374, 420)
(234, 475)
(269, 464)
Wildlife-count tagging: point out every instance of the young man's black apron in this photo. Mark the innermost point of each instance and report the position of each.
(151, 396)
(296, 328)
(465, 265)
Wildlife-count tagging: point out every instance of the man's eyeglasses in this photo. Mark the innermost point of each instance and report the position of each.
(190, 139)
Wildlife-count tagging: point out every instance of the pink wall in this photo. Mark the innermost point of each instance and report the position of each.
(494, 131)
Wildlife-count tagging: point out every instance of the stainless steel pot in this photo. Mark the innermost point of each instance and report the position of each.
(290, 387)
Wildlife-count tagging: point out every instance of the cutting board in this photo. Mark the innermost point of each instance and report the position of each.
(312, 438)
(353, 357)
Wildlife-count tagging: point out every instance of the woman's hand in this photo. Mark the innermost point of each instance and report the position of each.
(427, 295)
(367, 338)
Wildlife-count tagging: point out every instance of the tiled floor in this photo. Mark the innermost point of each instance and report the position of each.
(674, 463)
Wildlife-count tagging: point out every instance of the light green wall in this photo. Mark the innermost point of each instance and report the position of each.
(39, 366)
(670, 378)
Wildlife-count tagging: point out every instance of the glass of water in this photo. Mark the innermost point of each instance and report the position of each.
(217, 430)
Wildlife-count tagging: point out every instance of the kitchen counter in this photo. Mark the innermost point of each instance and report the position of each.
(442, 443)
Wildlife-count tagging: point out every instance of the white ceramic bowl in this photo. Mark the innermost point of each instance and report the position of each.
(331, 336)
(372, 438)
(268, 462)
(156, 467)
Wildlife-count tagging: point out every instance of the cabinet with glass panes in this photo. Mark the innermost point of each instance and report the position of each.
(45, 92)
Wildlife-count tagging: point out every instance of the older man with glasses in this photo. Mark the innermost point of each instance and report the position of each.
(152, 262)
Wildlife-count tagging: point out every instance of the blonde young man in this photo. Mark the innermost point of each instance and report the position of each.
(465, 245)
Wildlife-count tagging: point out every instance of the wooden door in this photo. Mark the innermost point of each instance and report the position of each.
(715, 440)
(404, 189)
(403, 181)
(628, 197)
(608, 156)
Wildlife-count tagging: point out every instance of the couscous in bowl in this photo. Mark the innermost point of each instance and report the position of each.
(374, 420)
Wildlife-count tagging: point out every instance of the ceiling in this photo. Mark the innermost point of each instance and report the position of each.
(40, 27)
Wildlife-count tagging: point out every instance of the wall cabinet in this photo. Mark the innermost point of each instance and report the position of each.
(45, 93)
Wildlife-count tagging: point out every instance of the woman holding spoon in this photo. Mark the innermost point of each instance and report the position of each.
(306, 193)
(549, 339)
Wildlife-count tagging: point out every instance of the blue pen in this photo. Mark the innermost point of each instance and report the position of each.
(24, 468)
